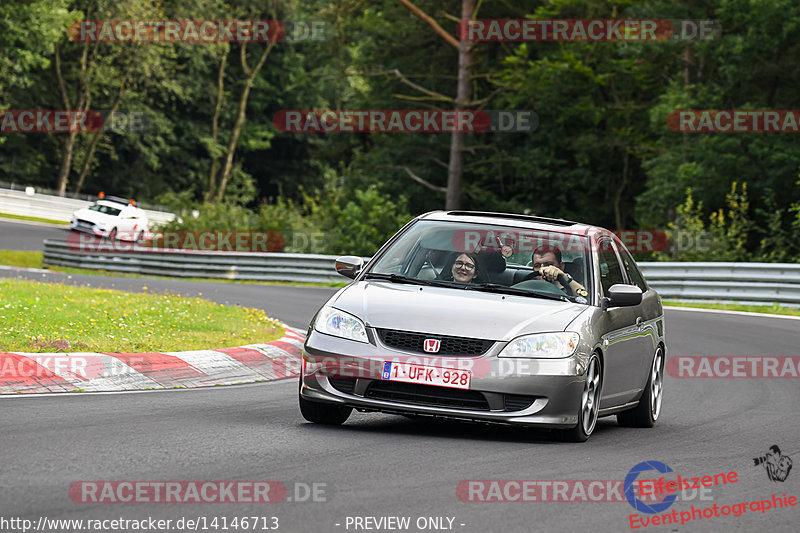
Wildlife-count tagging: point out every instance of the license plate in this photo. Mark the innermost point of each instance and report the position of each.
(426, 375)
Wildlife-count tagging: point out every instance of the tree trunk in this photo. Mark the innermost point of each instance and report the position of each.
(83, 105)
(96, 136)
(212, 176)
(621, 189)
(455, 169)
(240, 117)
(66, 163)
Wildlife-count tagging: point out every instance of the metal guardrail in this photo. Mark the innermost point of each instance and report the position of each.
(17, 202)
(197, 264)
(44, 191)
(749, 283)
(757, 283)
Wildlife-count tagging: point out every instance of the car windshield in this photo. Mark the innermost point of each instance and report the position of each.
(484, 257)
(105, 209)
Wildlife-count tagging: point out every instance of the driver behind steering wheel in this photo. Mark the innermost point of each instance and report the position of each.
(548, 265)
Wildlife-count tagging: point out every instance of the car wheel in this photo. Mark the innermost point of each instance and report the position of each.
(646, 413)
(323, 413)
(590, 402)
(112, 236)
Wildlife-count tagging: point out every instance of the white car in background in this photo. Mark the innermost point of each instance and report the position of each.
(111, 217)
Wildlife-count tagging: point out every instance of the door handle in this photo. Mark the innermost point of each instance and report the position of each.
(639, 322)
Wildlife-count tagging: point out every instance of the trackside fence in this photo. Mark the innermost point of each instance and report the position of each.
(757, 283)
(18, 202)
(306, 268)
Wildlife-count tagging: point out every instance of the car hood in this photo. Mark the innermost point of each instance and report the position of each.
(456, 312)
(94, 216)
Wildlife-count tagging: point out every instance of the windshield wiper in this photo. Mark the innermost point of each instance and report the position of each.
(496, 287)
(398, 278)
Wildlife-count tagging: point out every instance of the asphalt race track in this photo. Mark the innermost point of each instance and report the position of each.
(26, 236)
(389, 466)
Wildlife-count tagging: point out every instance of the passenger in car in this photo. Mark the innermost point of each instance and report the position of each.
(548, 264)
(465, 268)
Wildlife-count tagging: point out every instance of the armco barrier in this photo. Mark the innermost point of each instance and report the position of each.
(16, 202)
(757, 283)
(225, 265)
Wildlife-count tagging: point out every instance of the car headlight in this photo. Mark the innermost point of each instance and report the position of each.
(542, 345)
(340, 324)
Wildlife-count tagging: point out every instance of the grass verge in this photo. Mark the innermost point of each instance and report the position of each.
(774, 309)
(34, 219)
(47, 317)
(21, 258)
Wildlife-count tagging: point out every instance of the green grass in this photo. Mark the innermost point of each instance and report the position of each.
(774, 309)
(20, 258)
(46, 317)
(34, 219)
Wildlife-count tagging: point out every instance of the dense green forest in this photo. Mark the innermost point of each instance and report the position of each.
(602, 151)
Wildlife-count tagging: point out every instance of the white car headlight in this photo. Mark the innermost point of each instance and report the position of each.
(543, 345)
(340, 324)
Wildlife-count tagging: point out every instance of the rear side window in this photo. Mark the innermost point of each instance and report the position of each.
(610, 270)
(634, 274)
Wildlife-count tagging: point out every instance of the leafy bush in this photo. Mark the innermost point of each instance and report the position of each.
(336, 223)
(732, 233)
(360, 224)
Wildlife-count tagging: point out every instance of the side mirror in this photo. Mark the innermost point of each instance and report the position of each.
(621, 295)
(349, 265)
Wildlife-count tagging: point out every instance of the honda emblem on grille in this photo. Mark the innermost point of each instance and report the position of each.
(432, 345)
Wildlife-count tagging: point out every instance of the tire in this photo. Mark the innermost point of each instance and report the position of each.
(646, 413)
(323, 413)
(590, 402)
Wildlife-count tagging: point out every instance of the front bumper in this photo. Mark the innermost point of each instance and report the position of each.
(87, 227)
(529, 392)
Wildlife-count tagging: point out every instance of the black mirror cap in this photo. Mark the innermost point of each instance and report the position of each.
(621, 295)
(349, 265)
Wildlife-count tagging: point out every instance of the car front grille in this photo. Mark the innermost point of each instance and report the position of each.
(427, 395)
(433, 396)
(515, 402)
(411, 341)
(346, 385)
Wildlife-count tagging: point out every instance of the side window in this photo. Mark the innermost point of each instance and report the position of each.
(610, 270)
(634, 274)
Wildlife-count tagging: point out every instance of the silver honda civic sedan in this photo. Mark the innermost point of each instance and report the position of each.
(493, 318)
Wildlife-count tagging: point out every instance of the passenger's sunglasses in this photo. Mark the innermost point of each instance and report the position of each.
(462, 264)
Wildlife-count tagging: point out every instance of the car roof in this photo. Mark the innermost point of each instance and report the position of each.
(532, 222)
(115, 204)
